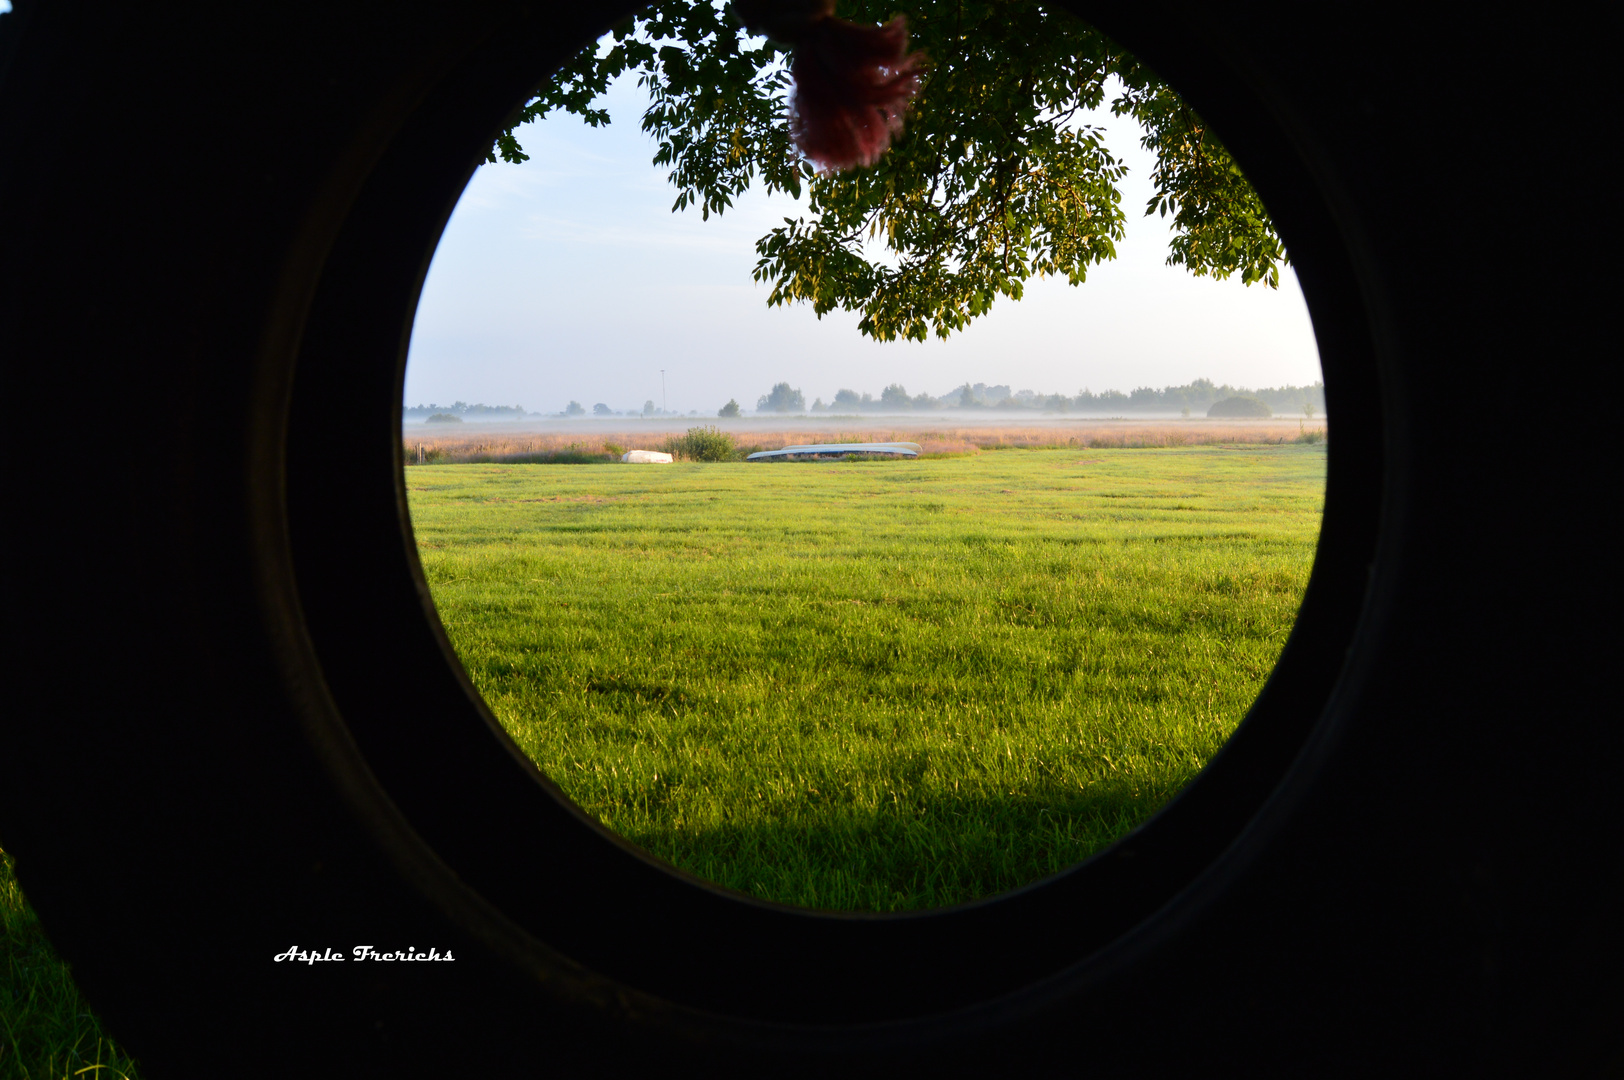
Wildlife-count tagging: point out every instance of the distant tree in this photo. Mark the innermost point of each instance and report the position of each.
(895, 398)
(648, 407)
(819, 406)
(1144, 397)
(728, 410)
(967, 397)
(846, 401)
(600, 409)
(574, 409)
(1308, 409)
(783, 399)
(444, 418)
(1240, 407)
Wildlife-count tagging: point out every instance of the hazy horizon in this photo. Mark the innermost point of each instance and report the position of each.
(829, 411)
(676, 423)
(747, 410)
(568, 278)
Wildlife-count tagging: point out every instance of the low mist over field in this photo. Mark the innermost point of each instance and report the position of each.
(971, 403)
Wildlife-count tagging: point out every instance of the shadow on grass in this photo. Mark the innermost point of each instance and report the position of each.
(906, 857)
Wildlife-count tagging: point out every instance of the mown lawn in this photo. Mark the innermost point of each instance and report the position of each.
(874, 685)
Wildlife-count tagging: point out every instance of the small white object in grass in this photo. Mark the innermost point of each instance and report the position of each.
(645, 457)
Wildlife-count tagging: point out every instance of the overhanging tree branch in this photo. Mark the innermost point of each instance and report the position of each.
(989, 183)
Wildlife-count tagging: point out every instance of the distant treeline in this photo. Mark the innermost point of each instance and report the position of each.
(464, 411)
(1196, 397)
(1191, 399)
(467, 411)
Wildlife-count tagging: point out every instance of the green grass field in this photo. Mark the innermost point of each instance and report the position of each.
(874, 685)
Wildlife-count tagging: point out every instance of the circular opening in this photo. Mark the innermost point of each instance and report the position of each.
(507, 831)
(951, 669)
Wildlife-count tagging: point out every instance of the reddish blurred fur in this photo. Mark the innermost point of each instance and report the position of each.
(852, 85)
(852, 82)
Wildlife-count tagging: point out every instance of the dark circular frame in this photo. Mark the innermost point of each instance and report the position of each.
(439, 753)
(276, 746)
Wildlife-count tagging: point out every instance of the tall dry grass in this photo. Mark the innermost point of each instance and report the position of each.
(464, 446)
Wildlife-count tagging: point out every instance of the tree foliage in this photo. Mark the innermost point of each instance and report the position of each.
(783, 398)
(1240, 406)
(996, 177)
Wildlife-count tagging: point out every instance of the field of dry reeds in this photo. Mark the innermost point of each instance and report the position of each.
(468, 445)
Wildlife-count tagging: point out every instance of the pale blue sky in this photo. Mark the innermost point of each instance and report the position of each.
(568, 277)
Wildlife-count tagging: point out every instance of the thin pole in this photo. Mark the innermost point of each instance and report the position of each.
(662, 391)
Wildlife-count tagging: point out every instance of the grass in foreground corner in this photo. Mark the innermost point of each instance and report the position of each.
(47, 1032)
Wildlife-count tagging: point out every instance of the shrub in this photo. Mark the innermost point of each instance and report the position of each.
(1239, 407)
(701, 444)
(444, 418)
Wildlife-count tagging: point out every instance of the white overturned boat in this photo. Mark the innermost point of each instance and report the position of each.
(838, 451)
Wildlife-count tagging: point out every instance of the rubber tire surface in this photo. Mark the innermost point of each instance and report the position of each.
(234, 724)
